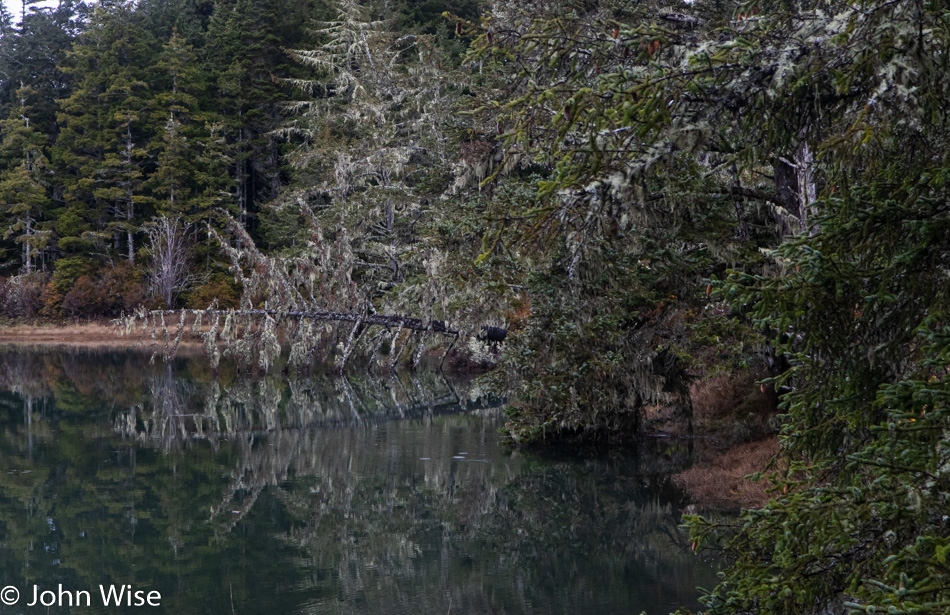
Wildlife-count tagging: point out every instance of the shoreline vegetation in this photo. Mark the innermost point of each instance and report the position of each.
(717, 482)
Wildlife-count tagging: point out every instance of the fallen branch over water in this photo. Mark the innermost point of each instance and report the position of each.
(488, 333)
(263, 340)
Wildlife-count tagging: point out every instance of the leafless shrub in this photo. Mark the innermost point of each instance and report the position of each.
(22, 296)
(169, 272)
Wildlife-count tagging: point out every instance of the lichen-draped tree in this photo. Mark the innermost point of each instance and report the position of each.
(373, 157)
(371, 160)
(859, 524)
(308, 298)
(639, 198)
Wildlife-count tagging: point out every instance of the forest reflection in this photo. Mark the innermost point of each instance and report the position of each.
(318, 495)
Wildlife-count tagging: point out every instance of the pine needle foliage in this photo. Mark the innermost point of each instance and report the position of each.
(638, 120)
(858, 523)
(642, 197)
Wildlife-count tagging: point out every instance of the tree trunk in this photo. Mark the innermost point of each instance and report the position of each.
(28, 256)
(128, 216)
(806, 185)
(795, 186)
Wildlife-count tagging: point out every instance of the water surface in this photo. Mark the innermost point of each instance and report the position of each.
(304, 495)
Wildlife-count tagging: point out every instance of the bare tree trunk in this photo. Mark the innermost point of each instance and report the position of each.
(795, 186)
(168, 269)
(741, 230)
(486, 333)
(27, 254)
(129, 202)
(128, 218)
(241, 172)
(806, 185)
(115, 234)
(786, 185)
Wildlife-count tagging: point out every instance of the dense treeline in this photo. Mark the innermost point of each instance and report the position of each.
(146, 109)
(117, 113)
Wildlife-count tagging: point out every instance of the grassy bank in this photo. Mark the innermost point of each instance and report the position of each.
(92, 333)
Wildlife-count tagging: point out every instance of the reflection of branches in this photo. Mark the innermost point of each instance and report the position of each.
(247, 408)
(405, 536)
(418, 515)
(292, 415)
(171, 417)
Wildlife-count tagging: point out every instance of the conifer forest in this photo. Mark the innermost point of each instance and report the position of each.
(611, 210)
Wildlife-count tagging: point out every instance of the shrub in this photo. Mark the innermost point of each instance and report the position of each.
(221, 287)
(22, 296)
(105, 294)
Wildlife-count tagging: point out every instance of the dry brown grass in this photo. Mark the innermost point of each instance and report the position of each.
(734, 408)
(720, 483)
(721, 396)
(717, 397)
(91, 334)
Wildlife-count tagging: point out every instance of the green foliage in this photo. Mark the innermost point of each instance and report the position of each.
(68, 270)
(246, 62)
(23, 184)
(861, 313)
(135, 109)
(637, 204)
(100, 148)
(32, 53)
(867, 412)
(173, 181)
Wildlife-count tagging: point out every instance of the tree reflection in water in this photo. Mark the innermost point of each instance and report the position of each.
(317, 495)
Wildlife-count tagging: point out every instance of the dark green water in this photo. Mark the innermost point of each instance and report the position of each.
(314, 496)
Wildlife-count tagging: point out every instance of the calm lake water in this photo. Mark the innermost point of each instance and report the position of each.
(276, 495)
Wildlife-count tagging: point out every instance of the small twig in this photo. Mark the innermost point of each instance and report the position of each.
(447, 351)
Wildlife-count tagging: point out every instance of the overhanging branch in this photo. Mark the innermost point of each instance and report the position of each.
(487, 332)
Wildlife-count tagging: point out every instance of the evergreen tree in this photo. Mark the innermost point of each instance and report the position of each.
(23, 183)
(101, 145)
(371, 161)
(122, 170)
(6, 22)
(164, 18)
(191, 180)
(35, 52)
(246, 58)
(175, 108)
(7, 49)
